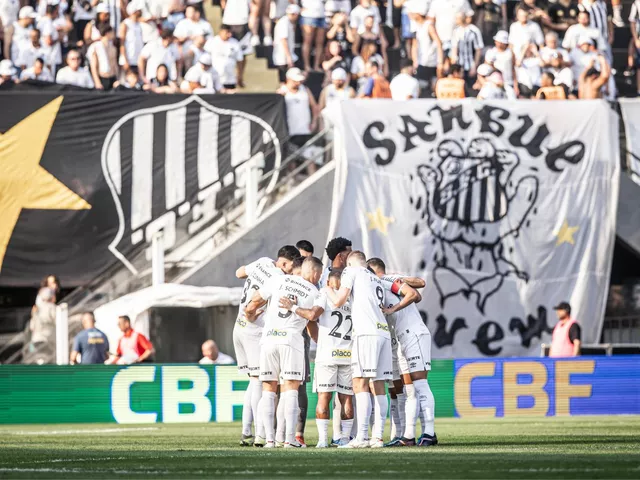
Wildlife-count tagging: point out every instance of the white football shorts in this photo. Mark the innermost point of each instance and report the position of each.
(281, 362)
(371, 358)
(332, 378)
(247, 347)
(394, 359)
(415, 353)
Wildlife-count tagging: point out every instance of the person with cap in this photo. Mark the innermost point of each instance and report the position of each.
(284, 35)
(227, 57)
(211, 355)
(18, 36)
(581, 57)
(502, 58)
(92, 28)
(7, 72)
(131, 38)
(452, 87)
(103, 59)
(405, 86)
(90, 345)
(74, 73)
(565, 340)
(482, 72)
(337, 91)
(301, 107)
(36, 72)
(493, 89)
(162, 51)
(202, 78)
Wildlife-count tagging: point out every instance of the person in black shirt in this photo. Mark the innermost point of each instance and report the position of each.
(563, 14)
(490, 17)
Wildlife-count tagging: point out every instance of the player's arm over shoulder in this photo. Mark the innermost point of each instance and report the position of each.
(340, 297)
(408, 295)
(245, 270)
(259, 300)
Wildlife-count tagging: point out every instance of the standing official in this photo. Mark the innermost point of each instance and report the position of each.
(566, 334)
(91, 344)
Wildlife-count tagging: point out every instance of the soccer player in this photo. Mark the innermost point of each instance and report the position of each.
(338, 249)
(282, 352)
(371, 351)
(333, 359)
(247, 334)
(305, 247)
(414, 355)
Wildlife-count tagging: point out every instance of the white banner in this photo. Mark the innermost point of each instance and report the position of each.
(630, 108)
(506, 208)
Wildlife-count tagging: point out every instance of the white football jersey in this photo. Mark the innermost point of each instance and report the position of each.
(367, 295)
(334, 332)
(282, 326)
(258, 273)
(407, 320)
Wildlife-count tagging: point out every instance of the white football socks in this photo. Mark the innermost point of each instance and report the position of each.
(247, 414)
(382, 408)
(323, 430)
(402, 401)
(255, 385)
(347, 426)
(427, 405)
(281, 425)
(363, 409)
(290, 398)
(337, 415)
(268, 406)
(410, 412)
(395, 418)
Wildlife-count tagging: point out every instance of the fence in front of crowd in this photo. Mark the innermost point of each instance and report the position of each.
(466, 388)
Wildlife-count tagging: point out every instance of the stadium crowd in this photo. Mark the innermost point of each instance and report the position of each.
(545, 49)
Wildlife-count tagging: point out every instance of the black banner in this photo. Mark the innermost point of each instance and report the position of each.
(86, 179)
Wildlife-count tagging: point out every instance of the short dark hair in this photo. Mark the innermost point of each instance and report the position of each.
(374, 64)
(104, 28)
(358, 254)
(455, 68)
(297, 262)
(289, 252)
(376, 262)
(405, 63)
(592, 72)
(224, 26)
(125, 318)
(551, 76)
(582, 10)
(166, 33)
(305, 245)
(337, 246)
(39, 60)
(336, 273)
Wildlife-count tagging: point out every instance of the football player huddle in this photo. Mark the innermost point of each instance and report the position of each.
(369, 334)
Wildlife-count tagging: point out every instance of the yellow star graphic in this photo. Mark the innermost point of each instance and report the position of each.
(23, 182)
(378, 221)
(565, 235)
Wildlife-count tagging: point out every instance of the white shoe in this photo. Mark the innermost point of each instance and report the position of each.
(293, 444)
(342, 442)
(322, 445)
(376, 443)
(270, 445)
(255, 41)
(355, 443)
(279, 444)
(268, 41)
(259, 441)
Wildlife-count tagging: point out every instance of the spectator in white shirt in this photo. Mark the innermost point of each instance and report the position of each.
(582, 57)
(30, 50)
(502, 58)
(529, 70)
(131, 39)
(236, 15)
(313, 32)
(582, 28)
(73, 73)
(284, 42)
(428, 53)
(19, 33)
(9, 12)
(191, 26)
(161, 51)
(211, 355)
(7, 72)
(337, 91)
(227, 57)
(202, 78)
(359, 14)
(103, 60)
(404, 86)
(523, 32)
(443, 14)
(37, 72)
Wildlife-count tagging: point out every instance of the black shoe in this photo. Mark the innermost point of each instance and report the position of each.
(402, 442)
(427, 440)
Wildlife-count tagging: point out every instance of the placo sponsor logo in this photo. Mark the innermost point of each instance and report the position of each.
(341, 353)
(382, 327)
(276, 333)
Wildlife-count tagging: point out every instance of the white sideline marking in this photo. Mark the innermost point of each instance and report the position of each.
(85, 470)
(74, 432)
(66, 460)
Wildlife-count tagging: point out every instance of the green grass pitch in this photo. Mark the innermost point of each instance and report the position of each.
(588, 447)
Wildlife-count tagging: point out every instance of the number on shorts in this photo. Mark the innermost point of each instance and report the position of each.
(287, 313)
(334, 331)
(380, 295)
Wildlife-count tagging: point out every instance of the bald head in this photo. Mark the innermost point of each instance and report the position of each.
(357, 259)
(210, 350)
